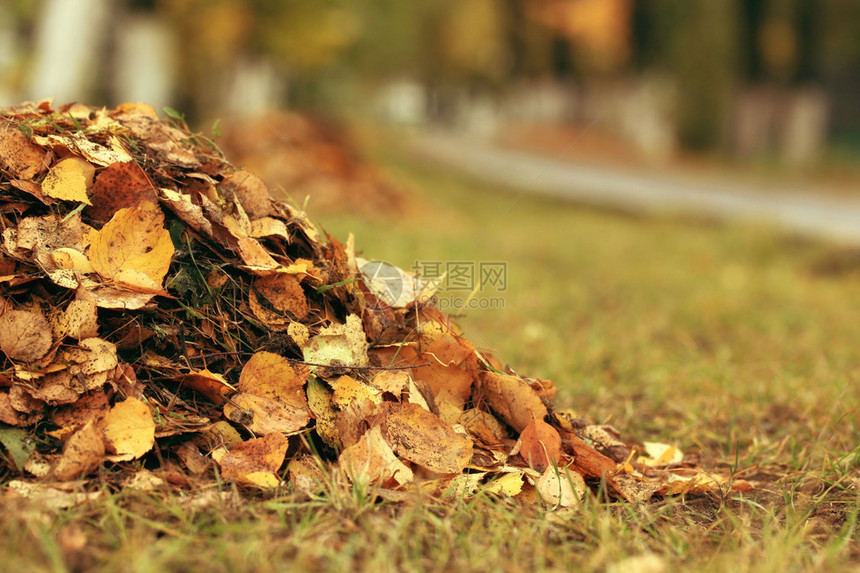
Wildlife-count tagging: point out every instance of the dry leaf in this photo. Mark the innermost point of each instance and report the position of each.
(372, 460)
(263, 415)
(256, 258)
(510, 484)
(512, 399)
(82, 453)
(24, 335)
(120, 186)
(338, 345)
(540, 445)
(210, 384)
(282, 294)
(251, 192)
(269, 227)
(256, 461)
(306, 475)
(320, 403)
(483, 426)
(348, 390)
(129, 429)
(560, 487)
(69, 180)
(133, 240)
(79, 320)
(17, 154)
(421, 437)
(392, 381)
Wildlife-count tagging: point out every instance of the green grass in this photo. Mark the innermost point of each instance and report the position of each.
(737, 342)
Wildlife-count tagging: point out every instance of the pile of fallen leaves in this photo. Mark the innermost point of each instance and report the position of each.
(161, 312)
(309, 158)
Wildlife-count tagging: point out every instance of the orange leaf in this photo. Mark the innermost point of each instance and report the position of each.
(540, 445)
(512, 399)
(256, 461)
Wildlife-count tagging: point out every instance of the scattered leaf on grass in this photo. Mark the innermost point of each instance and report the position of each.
(559, 486)
(509, 484)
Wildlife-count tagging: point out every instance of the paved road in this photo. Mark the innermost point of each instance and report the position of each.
(804, 211)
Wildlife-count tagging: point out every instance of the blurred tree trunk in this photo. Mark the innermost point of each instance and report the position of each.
(703, 56)
(69, 41)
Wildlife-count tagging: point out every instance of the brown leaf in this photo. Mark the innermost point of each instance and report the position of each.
(12, 416)
(82, 453)
(392, 381)
(210, 384)
(89, 407)
(320, 404)
(588, 461)
(256, 258)
(421, 437)
(483, 426)
(24, 335)
(252, 193)
(17, 154)
(338, 345)
(256, 461)
(119, 186)
(268, 374)
(560, 486)
(282, 295)
(79, 320)
(264, 415)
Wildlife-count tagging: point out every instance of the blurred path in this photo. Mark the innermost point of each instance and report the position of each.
(805, 211)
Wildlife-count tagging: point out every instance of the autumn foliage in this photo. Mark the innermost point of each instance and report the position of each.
(157, 305)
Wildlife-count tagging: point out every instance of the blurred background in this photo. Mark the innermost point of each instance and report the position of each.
(775, 81)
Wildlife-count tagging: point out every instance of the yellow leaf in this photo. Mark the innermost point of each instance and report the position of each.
(133, 240)
(69, 180)
(72, 259)
(129, 429)
(510, 484)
